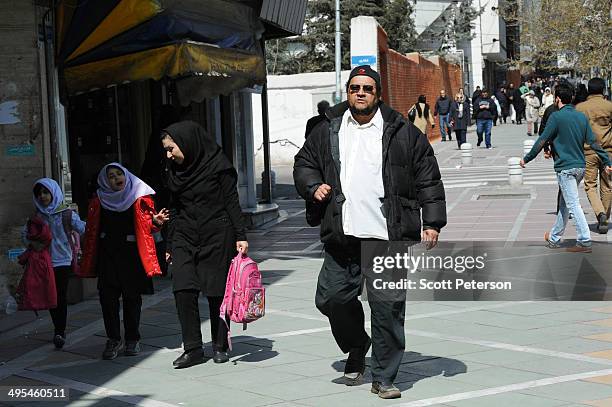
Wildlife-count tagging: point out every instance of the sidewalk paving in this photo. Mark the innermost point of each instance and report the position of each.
(457, 353)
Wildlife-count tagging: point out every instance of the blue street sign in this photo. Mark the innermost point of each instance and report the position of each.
(363, 60)
(19, 151)
(14, 253)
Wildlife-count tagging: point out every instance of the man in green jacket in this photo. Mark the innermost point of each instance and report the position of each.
(568, 130)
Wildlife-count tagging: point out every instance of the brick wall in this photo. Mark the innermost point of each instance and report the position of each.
(20, 128)
(405, 77)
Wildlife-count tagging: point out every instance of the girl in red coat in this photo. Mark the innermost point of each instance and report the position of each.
(120, 249)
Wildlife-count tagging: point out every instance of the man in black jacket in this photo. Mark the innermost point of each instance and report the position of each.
(367, 174)
(484, 111)
(442, 110)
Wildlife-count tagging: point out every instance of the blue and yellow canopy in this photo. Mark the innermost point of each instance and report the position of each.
(106, 42)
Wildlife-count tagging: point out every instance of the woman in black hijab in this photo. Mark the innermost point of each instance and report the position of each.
(206, 230)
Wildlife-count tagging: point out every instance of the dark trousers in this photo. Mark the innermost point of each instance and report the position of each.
(460, 135)
(59, 313)
(338, 286)
(189, 317)
(132, 303)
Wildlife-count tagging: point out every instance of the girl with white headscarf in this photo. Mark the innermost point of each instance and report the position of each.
(48, 200)
(119, 248)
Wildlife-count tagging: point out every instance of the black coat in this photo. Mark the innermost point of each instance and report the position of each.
(411, 179)
(206, 223)
(463, 122)
(119, 265)
(442, 106)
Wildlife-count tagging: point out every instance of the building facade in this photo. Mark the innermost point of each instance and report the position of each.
(86, 83)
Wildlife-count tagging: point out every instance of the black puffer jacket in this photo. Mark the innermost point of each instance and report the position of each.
(411, 178)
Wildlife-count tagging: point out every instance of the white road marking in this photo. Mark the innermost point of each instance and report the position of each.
(504, 389)
(97, 390)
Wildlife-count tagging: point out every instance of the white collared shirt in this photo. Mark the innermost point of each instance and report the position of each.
(361, 177)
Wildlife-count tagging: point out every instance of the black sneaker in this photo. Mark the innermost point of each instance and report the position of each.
(59, 341)
(385, 391)
(602, 223)
(132, 348)
(220, 357)
(355, 364)
(113, 347)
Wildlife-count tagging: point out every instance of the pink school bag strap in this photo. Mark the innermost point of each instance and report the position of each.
(229, 291)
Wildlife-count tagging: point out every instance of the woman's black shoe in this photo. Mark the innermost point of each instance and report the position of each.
(189, 358)
(59, 341)
(220, 357)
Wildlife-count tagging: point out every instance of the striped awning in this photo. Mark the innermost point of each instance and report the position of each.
(101, 43)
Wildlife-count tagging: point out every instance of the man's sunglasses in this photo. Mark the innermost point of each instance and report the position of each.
(366, 88)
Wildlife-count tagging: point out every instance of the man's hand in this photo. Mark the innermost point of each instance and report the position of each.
(548, 154)
(608, 170)
(430, 237)
(522, 163)
(322, 193)
(168, 258)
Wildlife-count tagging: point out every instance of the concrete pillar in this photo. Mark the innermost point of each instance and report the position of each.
(466, 153)
(515, 172)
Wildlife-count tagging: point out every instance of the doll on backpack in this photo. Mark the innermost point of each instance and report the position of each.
(120, 248)
(51, 209)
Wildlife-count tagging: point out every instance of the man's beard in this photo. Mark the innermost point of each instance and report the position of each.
(366, 111)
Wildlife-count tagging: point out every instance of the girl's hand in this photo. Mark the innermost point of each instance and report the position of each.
(242, 246)
(161, 217)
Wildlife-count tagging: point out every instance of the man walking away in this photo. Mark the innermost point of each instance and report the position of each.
(568, 130)
(502, 98)
(599, 112)
(519, 105)
(484, 111)
(442, 109)
(322, 106)
(367, 175)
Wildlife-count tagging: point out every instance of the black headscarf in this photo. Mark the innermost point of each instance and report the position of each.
(422, 99)
(203, 156)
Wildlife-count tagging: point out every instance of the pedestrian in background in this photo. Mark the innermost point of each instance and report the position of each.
(547, 98)
(497, 111)
(596, 183)
(322, 107)
(119, 246)
(206, 230)
(484, 113)
(581, 94)
(460, 117)
(502, 98)
(568, 130)
(50, 207)
(519, 104)
(442, 110)
(532, 112)
(423, 117)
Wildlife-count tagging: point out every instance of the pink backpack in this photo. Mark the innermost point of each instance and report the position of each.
(244, 299)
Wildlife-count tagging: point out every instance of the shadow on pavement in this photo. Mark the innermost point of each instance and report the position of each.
(414, 367)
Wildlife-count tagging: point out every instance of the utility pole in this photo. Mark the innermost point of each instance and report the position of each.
(338, 93)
